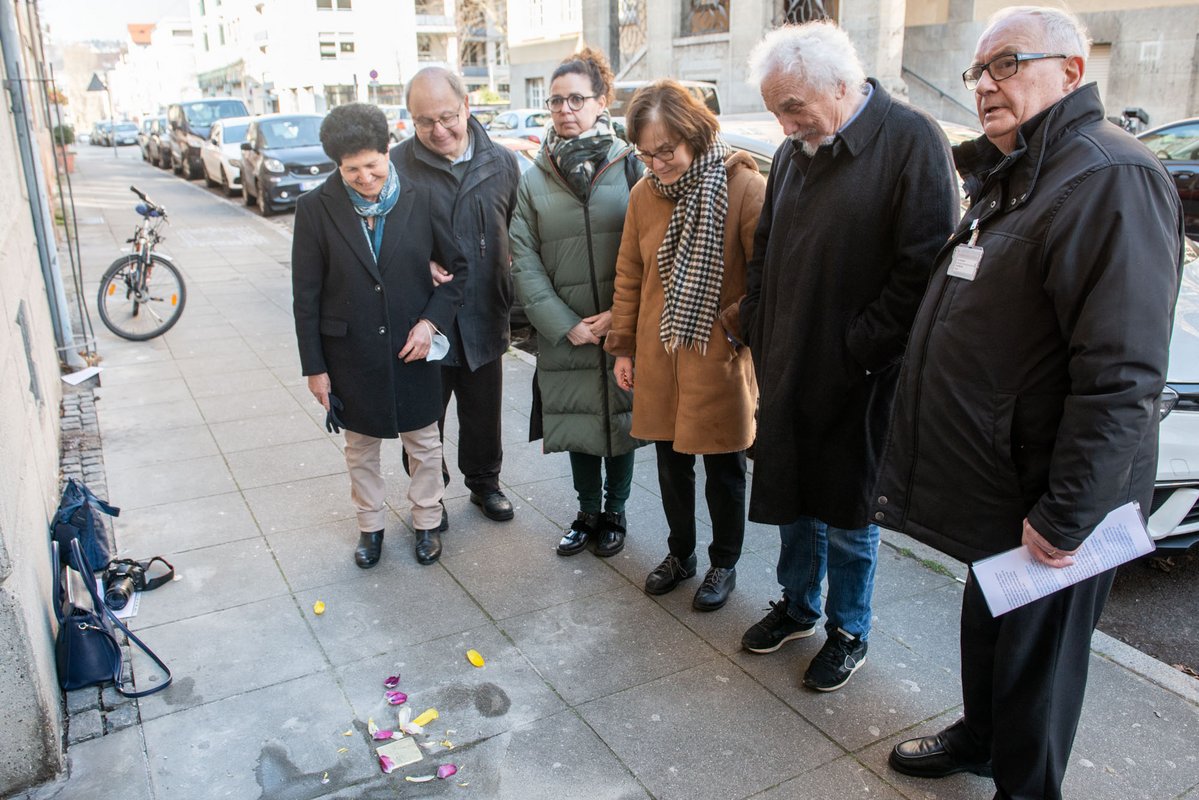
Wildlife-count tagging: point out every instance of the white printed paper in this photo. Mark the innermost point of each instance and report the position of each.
(76, 378)
(1011, 579)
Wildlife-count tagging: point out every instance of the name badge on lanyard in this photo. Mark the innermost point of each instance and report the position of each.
(967, 257)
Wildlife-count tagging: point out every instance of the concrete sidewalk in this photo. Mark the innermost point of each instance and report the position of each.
(216, 454)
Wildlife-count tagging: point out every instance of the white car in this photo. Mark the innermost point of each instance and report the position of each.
(221, 153)
(1174, 515)
(520, 123)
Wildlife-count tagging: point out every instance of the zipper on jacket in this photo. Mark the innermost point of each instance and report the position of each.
(482, 229)
(603, 365)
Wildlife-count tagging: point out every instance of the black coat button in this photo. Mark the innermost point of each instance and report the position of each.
(382, 330)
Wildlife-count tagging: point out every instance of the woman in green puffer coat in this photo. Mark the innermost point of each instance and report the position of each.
(565, 233)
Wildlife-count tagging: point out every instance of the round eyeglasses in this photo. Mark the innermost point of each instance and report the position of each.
(573, 101)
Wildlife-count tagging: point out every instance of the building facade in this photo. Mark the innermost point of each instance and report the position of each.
(540, 35)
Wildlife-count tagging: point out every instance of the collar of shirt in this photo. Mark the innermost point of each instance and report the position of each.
(468, 152)
(868, 90)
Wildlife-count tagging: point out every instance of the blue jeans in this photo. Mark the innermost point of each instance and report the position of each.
(810, 549)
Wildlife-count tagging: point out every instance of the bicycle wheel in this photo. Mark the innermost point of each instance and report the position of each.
(141, 313)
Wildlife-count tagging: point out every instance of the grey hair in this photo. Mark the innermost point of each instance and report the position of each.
(818, 53)
(1061, 31)
(429, 73)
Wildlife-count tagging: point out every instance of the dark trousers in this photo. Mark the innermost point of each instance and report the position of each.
(725, 492)
(602, 483)
(480, 397)
(1023, 679)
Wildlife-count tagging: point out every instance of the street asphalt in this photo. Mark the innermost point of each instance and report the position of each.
(218, 457)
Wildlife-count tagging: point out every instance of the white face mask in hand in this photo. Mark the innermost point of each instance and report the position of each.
(439, 347)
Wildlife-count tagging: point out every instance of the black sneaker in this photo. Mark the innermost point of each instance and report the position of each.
(836, 662)
(775, 629)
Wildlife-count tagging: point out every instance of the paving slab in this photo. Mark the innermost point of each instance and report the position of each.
(184, 525)
(927, 623)
(151, 417)
(707, 732)
(594, 646)
(285, 463)
(323, 554)
(168, 390)
(131, 447)
(301, 504)
(220, 385)
(112, 767)
(238, 404)
(170, 481)
(269, 431)
(119, 375)
(844, 778)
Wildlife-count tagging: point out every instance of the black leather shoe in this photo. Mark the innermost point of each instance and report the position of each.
(370, 547)
(715, 590)
(611, 537)
(929, 757)
(445, 520)
(669, 574)
(494, 504)
(428, 546)
(581, 530)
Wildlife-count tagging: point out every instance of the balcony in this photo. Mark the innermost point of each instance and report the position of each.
(473, 71)
(435, 23)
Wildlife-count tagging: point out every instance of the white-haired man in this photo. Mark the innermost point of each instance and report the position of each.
(1032, 380)
(860, 198)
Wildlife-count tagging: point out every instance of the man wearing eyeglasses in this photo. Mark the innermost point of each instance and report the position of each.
(1027, 405)
(473, 180)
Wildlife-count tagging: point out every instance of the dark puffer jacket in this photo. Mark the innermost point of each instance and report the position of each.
(1031, 391)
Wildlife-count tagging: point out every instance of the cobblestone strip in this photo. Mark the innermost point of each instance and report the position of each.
(92, 711)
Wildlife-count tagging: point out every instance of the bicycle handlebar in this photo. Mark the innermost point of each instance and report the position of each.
(153, 206)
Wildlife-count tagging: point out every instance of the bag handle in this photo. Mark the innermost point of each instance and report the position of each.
(56, 564)
(89, 579)
(110, 510)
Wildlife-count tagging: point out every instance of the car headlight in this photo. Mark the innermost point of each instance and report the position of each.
(235, 162)
(274, 165)
(1167, 401)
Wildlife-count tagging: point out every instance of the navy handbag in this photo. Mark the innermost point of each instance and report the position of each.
(79, 517)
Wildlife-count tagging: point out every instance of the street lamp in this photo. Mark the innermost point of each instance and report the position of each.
(97, 85)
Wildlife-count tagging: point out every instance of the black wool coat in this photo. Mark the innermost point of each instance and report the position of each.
(479, 209)
(842, 255)
(1031, 391)
(353, 315)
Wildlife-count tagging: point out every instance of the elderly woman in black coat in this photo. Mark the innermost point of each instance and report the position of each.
(369, 320)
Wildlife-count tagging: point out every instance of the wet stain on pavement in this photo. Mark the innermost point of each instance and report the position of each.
(280, 779)
(487, 698)
(182, 693)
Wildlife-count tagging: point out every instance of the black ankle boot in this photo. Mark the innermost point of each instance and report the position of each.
(370, 547)
(611, 537)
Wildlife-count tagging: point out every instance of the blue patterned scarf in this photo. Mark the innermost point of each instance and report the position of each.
(379, 209)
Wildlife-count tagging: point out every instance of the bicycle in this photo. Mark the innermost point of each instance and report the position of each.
(142, 294)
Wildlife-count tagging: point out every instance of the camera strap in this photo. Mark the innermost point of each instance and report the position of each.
(148, 584)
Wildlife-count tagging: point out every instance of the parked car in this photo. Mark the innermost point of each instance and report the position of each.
(486, 113)
(1174, 513)
(281, 159)
(526, 150)
(520, 123)
(191, 124)
(124, 133)
(399, 123)
(143, 136)
(221, 154)
(1177, 145)
(158, 145)
(706, 93)
(100, 133)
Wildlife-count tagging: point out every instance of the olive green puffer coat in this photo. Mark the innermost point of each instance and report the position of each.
(564, 268)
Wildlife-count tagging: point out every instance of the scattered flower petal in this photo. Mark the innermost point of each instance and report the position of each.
(343, 750)
(392, 682)
(396, 698)
(380, 736)
(446, 770)
(386, 764)
(418, 778)
(412, 729)
(474, 657)
(427, 745)
(405, 716)
(350, 732)
(325, 778)
(447, 744)
(318, 607)
(426, 717)
(371, 727)
(463, 784)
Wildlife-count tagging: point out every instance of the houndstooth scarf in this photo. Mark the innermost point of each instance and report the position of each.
(691, 256)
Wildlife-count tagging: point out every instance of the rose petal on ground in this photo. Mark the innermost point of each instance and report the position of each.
(474, 657)
(380, 736)
(343, 750)
(446, 770)
(427, 716)
(418, 778)
(386, 764)
(392, 682)
(371, 727)
(411, 728)
(396, 698)
(318, 607)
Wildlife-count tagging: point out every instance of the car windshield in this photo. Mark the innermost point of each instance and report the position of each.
(127, 127)
(537, 120)
(1180, 143)
(292, 132)
(202, 115)
(235, 134)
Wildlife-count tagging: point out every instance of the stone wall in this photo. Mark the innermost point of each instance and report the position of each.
(30, 395)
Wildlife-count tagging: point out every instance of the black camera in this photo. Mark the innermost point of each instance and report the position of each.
(121, 580)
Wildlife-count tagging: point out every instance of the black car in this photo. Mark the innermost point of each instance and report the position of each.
(1177, 145)
(143, 135)
(281, 159)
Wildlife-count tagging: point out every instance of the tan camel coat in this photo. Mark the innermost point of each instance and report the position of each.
(704, 403)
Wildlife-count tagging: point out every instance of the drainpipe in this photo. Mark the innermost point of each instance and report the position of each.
(39, 204)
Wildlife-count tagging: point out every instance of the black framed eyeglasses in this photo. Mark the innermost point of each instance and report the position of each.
(447, 121)
(1002, 67)
(573, 101)
(665, 155)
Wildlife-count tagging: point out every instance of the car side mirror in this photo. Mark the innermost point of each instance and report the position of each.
(247, 146)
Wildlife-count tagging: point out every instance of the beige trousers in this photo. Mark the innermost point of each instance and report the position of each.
(368, 490)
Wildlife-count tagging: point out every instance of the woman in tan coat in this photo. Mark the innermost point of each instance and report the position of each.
(687, 236)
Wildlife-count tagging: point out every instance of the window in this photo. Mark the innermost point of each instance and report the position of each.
(221, 32)
(424, 47)
(201, 4)
(797, 12)
(346, 48)
(324, 5)
(705, 16)
(1176, 143)
(206, 48)
(328, 46)
(474, 54)
(343, 5)
(336, 45)
(535, 92)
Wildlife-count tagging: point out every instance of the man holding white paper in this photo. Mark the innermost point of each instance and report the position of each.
(1027, 409)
